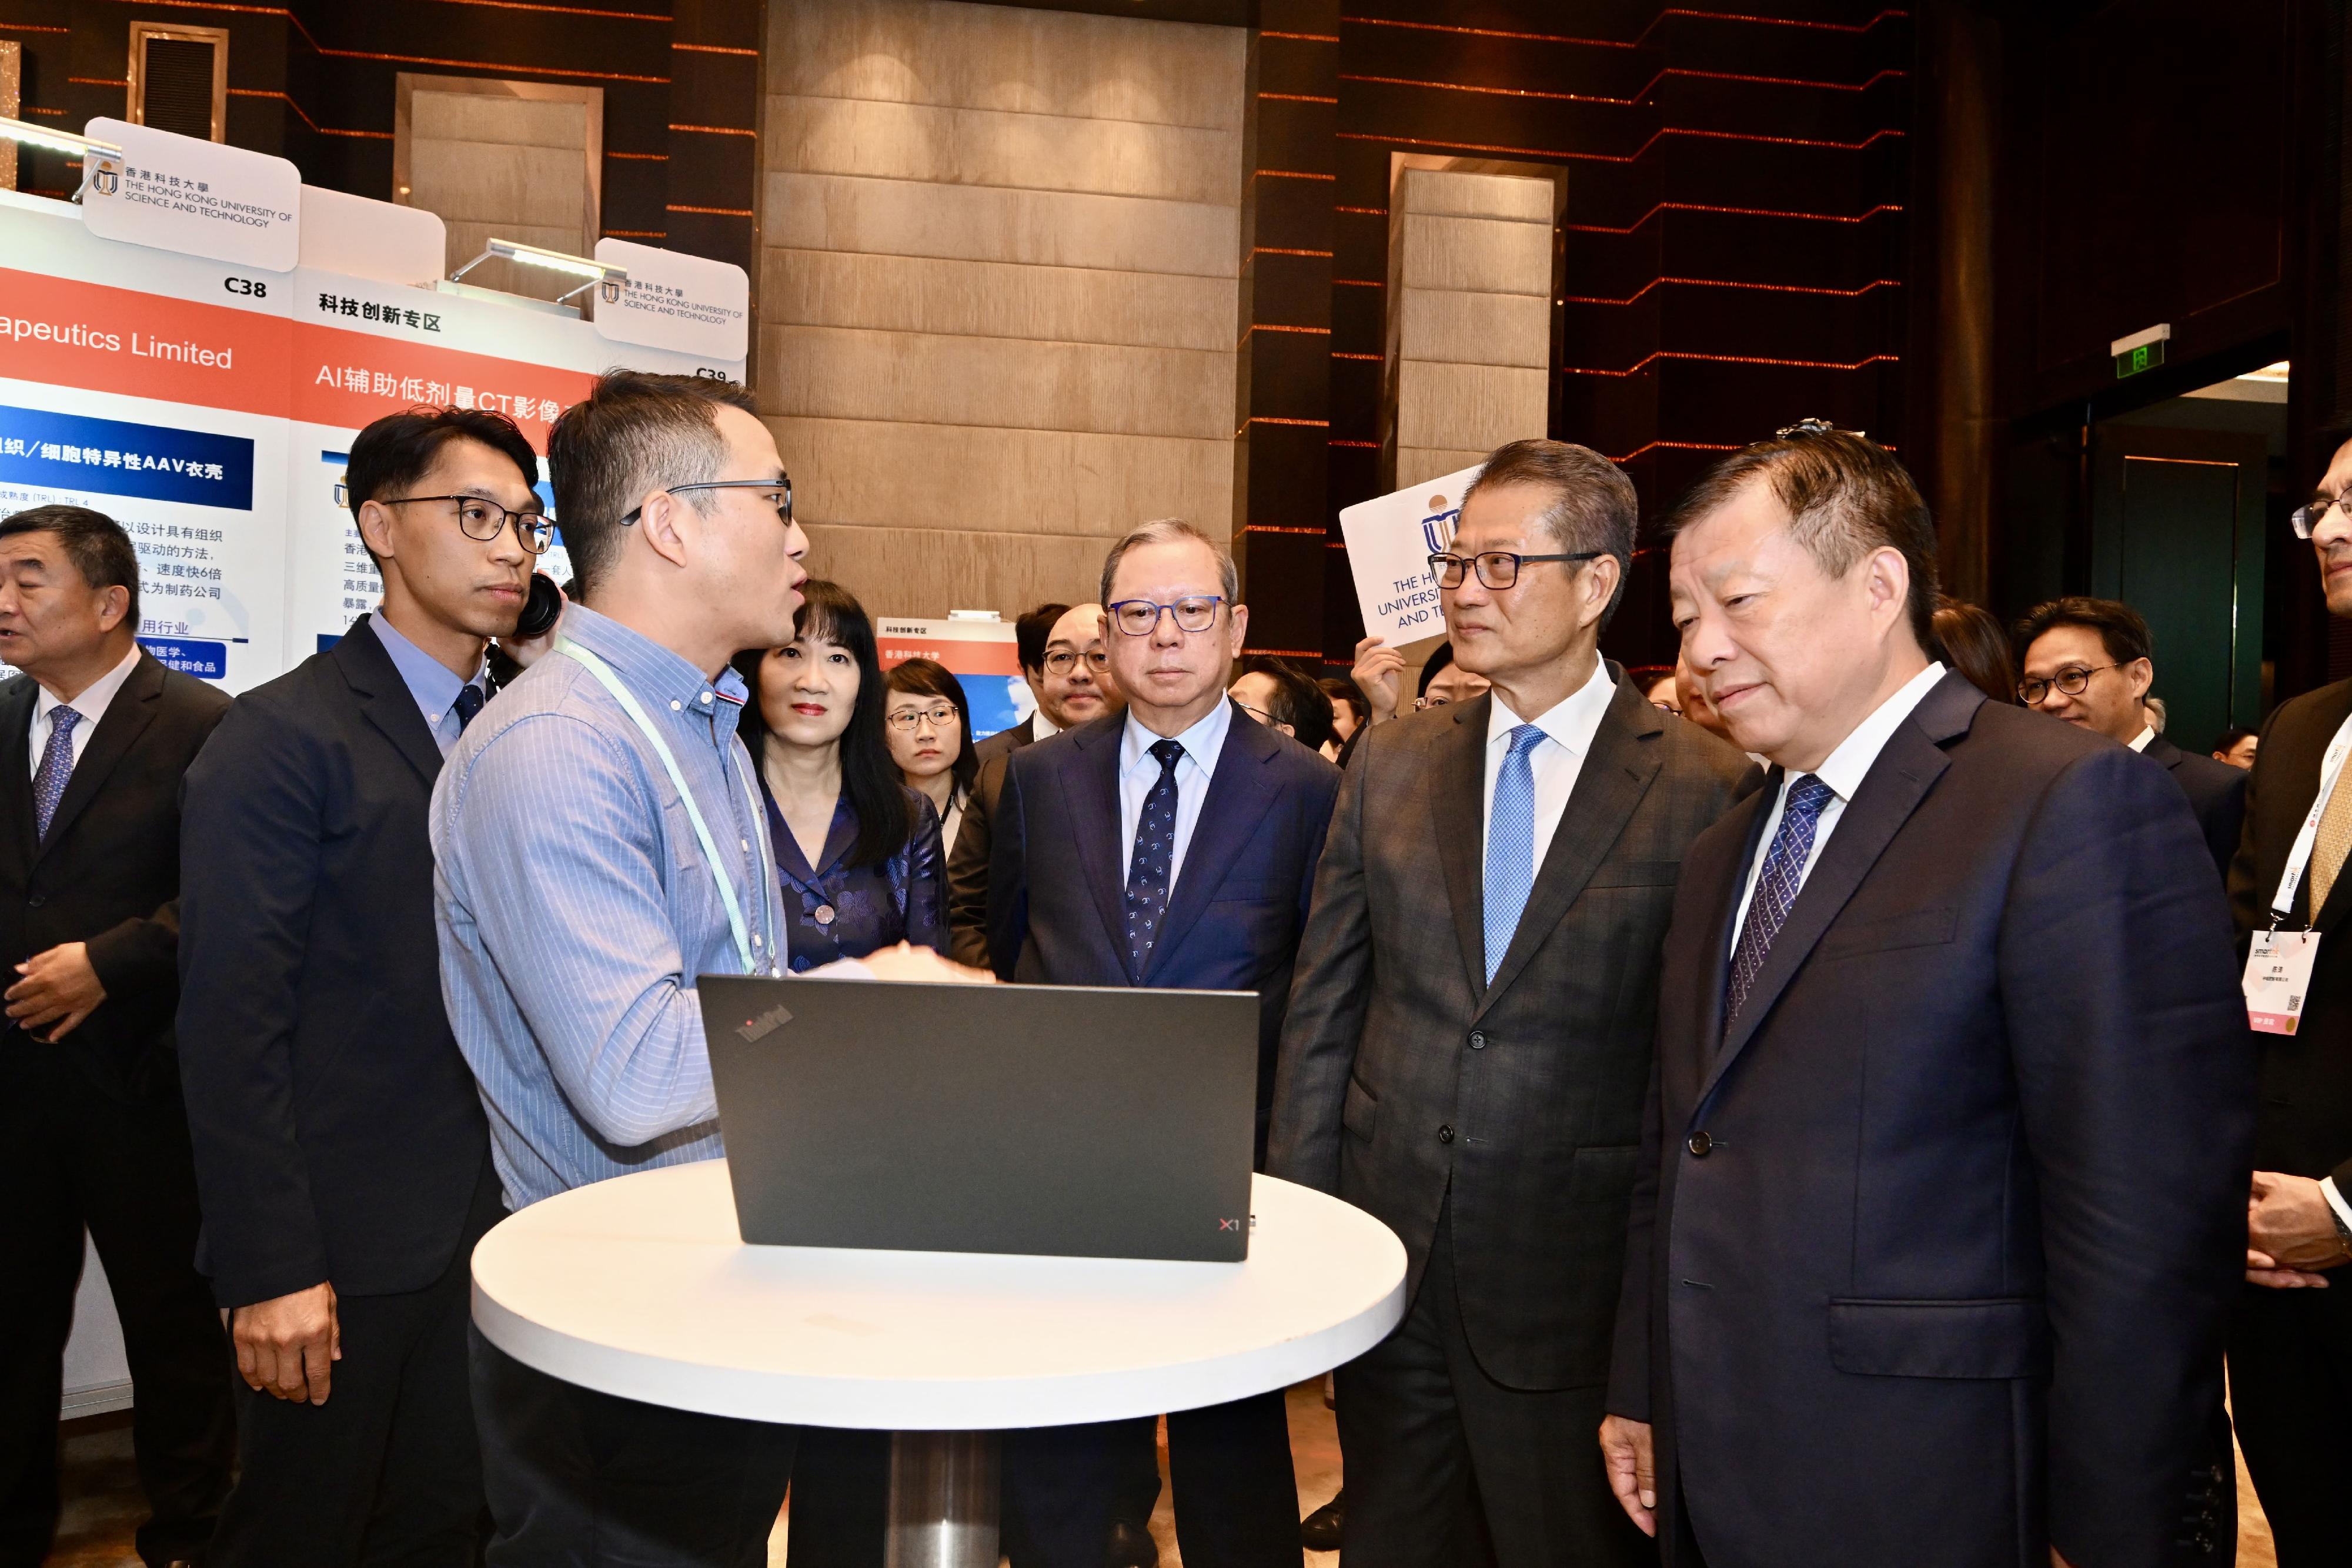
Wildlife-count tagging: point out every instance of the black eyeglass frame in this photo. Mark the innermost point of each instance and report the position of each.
(1098, 660)
(1463, 565)
(2081, 676)
(1158, 610)
(939, 719)
(2305, 520)
(538, 540)
(781, 482)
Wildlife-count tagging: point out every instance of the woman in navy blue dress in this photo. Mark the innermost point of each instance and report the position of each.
(860, 866)
(859, 853)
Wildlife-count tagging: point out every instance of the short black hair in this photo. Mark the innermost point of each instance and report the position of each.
(1344, 689)
(2232, 736)
(1298, 700)
(2122, 630)
(93, 542)
(1436, 666)
(1031, 633)
(929, 678)
(392, 454)
(634, 431)
(1592, 506)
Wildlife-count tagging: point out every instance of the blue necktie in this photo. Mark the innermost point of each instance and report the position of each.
(1155, 850)
(1775, 888)
(1510, 845)
(56, 767)
(469, 703)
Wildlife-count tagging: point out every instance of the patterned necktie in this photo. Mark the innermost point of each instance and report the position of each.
(469, 703)
(2334, 839)
(1776, 887)
(1510, 845)
(56, 767)
(1155, 850)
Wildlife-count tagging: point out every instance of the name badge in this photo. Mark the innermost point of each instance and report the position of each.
(2278, 977)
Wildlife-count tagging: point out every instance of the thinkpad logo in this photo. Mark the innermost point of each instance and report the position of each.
(767, 1023)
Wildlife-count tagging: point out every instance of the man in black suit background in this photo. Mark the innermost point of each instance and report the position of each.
(1468, 1039)
(2091, 662)
(2291, 1336)
(1173, 845)
(1939, 1209)
(340, 1145)
(94, 737)
(1031, 633)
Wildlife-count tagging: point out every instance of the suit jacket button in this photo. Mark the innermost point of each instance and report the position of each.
(1700, 1145)
(36, 900)
(1446, 1135)
(1477, 1040)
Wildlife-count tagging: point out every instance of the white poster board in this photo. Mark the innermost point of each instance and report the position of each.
(1390, 541)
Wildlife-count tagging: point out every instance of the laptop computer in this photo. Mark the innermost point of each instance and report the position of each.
(1053, 1120)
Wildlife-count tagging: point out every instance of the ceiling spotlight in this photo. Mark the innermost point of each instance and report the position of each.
(581, 266)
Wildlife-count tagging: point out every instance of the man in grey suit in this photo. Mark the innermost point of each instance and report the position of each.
(1479, 1088)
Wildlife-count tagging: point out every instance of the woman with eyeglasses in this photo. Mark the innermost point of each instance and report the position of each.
(928, 725)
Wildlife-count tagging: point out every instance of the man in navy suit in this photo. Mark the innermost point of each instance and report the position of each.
(1942, 1195)
(1173, 845)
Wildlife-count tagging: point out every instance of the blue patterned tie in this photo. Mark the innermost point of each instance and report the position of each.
(1510, 845)
(1775, 888)
(1155, 850)
(469, 703)
(56, 767)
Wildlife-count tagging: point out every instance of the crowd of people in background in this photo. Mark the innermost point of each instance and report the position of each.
(1812, 1082)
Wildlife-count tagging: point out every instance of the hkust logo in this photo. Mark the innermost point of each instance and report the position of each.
(754, 1030)
(107, 177)
(1437, 529)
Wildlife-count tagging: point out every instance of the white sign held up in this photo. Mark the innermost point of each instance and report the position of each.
(200, 198)
(1390, 541)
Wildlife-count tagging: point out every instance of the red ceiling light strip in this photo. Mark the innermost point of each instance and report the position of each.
(52, 113)
(509, 68)
(30, 27)
(1648, 87)
(1373, 446)
(1734, 212)
(1300, 37)
(1358, 283)
(1375, 358)
(1277, 529)
(241, 10)
(716, 130)
(714, 212)
(713, 49)
(1849, 28)
(100, 81)
(636, 234)
(1368, 212)
(562, 10)
(1678, 446)
(298, 110)
(1731, 359)
(1484, 31)
(1731, 283)
(1270, 419)
(1285, 250)
(1298, 97)
(1274, 326)
(1289, 174)
(1634, 157)
(638, 157)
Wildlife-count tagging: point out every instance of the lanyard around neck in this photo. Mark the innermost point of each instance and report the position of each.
(2298, 858)
(629, 704)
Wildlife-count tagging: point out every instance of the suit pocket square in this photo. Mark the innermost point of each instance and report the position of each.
(1993, 1337)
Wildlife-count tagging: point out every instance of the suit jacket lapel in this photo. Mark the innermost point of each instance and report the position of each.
(1609, 786)
(15, 755)
(1091, 798)
(386, 700)
(1908, 767)
(1239, 796)
(126, 718)
(1456, 787)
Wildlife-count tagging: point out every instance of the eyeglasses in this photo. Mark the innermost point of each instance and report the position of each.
(1497, 568)
(2305, 520)
(906, 720)
(1423, 704)
(1141, 617)
(483, 521)
(780, 489)
(2072, 681)
(1062, 661)
(1258, 714)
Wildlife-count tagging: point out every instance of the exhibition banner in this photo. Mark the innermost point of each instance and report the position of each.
(980, 651)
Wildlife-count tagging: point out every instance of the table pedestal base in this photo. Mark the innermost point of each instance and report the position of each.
(943, 1500)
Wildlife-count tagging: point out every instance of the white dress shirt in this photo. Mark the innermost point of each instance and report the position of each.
(2147, 733)
(1040, 727)
(91, 705)
(1139, 770)
(1555, 761)
(1844, 772)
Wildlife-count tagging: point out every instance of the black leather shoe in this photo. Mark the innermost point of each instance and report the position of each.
(1131, 1546)
(1320, 1531)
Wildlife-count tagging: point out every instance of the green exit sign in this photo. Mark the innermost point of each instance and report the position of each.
(2144, 357)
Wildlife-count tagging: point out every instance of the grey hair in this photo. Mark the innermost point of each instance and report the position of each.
(1592, 506)
(1169, 531)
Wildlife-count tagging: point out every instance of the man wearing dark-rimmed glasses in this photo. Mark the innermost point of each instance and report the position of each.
(341, 1147)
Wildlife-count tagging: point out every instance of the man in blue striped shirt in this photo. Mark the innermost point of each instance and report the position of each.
(597, 843)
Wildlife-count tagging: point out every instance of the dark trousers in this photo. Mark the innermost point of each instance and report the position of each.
(72, 1156)
(840, 1498)
(386, 1472)
(1229, 1465)
(2291, 1390)
(1435, 1449)
(576, 1478)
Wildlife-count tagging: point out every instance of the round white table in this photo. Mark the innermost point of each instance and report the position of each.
(641, 1287)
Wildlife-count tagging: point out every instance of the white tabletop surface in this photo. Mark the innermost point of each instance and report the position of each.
(641, 1287)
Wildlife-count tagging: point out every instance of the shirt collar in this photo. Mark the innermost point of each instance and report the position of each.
(93, 699)
(650, 669)
(1571, 721)
(432, 682)
(1847, 766)
(1202, 742)
(2147, 733)
(1041, 728)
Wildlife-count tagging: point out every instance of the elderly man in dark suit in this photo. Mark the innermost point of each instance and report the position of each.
(1174, 846)
(2291, 1337)
(94, 737)
(344, 1158)
(2091, 662)
(1942, 1190)
(1469, 1034)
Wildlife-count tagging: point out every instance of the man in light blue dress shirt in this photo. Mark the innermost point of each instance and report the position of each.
(576, 905)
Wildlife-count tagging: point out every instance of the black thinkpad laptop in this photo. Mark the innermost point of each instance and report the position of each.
(1039, 1119)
